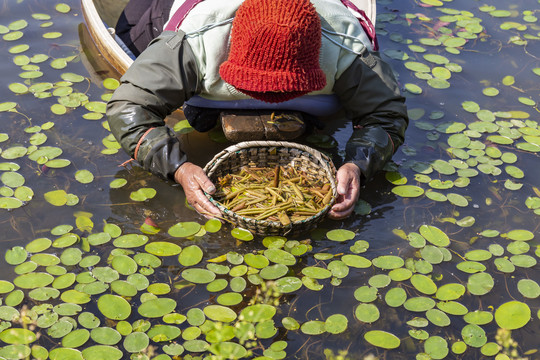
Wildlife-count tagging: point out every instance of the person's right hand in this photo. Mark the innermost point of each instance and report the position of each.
(194, 181)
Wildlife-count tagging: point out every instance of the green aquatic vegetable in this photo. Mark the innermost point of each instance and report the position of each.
(76, 338)
(16, 255)
(313, 327)
(480, 283)
(340, 235)
(143, 194)
(436, 347)
(129, 241)
(136, 342)
(473, 335)
(198, 276)
(478, 317)
(520, 235)
(448, 292)
(99, 352)
(395, 297)
(105, 336)
(387, 262)
(162, 248)
(17, 336)
(84, 176)
(382, 339)
(419, 304)
(367, 313)
(184, 229)
(423, 284)
(191, 255)
(115, 307)
(529, 288)
(408, 191)
(242, 234)
(288, 284)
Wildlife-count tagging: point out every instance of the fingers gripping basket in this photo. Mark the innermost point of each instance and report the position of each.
(269, 154)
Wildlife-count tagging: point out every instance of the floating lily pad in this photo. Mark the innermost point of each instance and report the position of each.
(408, 191)
(191, 255)
(184, 229)
(382, 339)
(114, 307)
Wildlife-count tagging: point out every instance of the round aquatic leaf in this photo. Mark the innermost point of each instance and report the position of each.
(432, 254)
(419, 304)
(340, 235)
(105, 336)
(162, 248)
(520, 235)
(382, 339)
(9, 203)
(473, 335)
(16, 255)
(184, 229)
(436, 347)
(198, 276)
(88, 320)
(124, 265)
(524, 261)
(136, 342)
(33, 280)
(56, 197)
(512, 315)
(84, 176)
(219, 313)
(75, 297)
(316, 272)
(395, 297)
(64, 353)
(242, 234)
(76, 338)
(408, 191)
(129, 241)
(288, 284)
(274, 272)
(457, 199)
(143, 194)
(121, 287)
(191, 255)
(478, 255)
(388, 262)
(157, 307)
(367, 313)
(229, 299)
(423, 284)
(336, 324)
(366, 294)
(400, 274)
(434, 235)
(449, 292)
(257, 313)
(478, 317)
(313, 327)
(471, 267)
(159, 289)
(115, 307)
(356, 261)
(480, 284)
(437, 317)
(529, 288)
(17, 336)
(256, 261)
(279, 256)
(100, 352)
(379, 280)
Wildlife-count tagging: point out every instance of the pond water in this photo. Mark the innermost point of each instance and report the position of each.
(440, 255)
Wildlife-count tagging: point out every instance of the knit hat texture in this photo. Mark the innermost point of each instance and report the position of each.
(274, 50)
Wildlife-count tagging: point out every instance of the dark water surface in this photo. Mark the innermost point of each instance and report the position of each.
(489, 205)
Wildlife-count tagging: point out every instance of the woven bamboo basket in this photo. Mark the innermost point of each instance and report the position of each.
(270, 154)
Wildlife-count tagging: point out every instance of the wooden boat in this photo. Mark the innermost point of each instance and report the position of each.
(101, 15)
(97, 36)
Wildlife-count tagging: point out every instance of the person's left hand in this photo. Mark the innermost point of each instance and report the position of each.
(348, 188)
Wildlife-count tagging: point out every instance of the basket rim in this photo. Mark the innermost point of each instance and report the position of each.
(322, 160)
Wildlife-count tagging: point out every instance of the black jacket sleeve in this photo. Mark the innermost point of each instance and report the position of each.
(158, 82)
(370, 95)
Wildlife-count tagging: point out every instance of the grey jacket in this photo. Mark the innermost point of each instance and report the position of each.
(165, 75)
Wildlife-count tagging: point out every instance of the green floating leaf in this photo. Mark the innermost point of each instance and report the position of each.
(136, 342)
(408, 191)
(382, 339)
(473, 335)
(114, 307)
(162, 248)
(33, 280)
(480, 284)
(191, 255)
(99, 352)
(340, 235)
(142, 194)
(242, 234)
(184, 229)
(84, 176)
(520, 235)
(198, 276)
(367, 313)
(436, 347)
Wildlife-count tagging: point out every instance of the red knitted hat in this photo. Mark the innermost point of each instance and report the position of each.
(274, 53)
